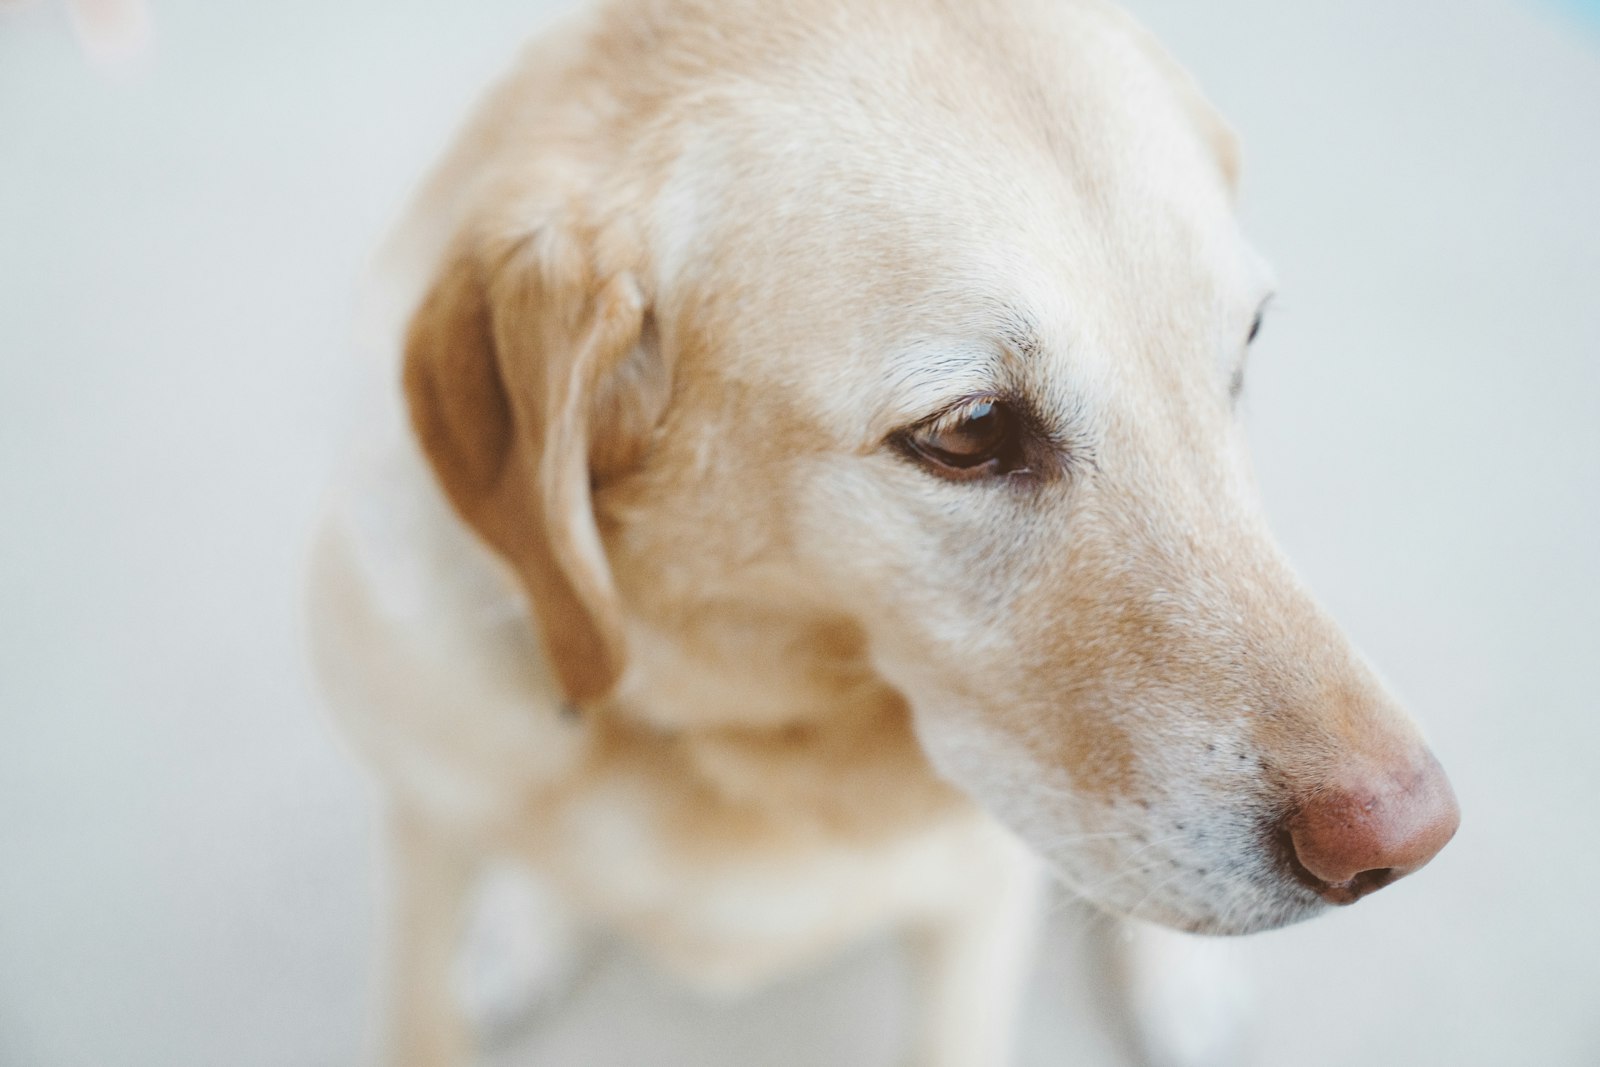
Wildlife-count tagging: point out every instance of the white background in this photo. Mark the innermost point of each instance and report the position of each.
(187, 867)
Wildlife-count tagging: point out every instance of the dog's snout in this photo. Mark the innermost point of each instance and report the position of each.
(1356, 839)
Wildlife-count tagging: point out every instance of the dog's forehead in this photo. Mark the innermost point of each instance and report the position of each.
(878, 206)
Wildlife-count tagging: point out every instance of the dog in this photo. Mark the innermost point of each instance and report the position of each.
(819, 508)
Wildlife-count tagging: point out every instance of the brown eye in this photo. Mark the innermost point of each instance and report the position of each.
(977, 438)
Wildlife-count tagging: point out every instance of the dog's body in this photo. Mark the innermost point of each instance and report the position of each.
(734, 854)
(821, 443)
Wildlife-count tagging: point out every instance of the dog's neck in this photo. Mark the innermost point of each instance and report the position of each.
(783, 719)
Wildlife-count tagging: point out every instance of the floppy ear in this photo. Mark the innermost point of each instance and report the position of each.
(504, 363)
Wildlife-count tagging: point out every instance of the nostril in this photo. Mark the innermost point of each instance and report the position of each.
(1344, 892)
(1340, 893)
(1367, 881)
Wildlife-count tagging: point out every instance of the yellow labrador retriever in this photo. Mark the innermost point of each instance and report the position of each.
(821, 455)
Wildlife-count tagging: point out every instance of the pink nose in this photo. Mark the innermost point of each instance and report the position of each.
(1356, 840)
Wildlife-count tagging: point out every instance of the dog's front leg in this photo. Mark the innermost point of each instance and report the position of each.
(973, 962)
(431, 874)
(1188, 1000)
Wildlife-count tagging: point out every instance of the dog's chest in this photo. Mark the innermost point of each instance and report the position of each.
(729, 854)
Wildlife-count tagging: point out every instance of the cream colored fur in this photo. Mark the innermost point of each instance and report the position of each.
(658, 610)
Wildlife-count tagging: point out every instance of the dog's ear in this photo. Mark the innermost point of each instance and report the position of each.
(516, 349)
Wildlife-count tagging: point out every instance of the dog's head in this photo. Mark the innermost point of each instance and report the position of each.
(922, 326)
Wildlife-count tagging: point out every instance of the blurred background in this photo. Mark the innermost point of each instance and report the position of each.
(188, 870)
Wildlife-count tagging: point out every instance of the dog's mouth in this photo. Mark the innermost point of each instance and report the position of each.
(1261, 887)
(1272, 887)
(1282, 851)
(1254, 908)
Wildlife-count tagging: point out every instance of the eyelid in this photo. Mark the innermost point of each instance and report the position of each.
(937, 373)
(957, 412)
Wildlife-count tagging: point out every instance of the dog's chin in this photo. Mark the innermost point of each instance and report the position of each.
(1237, 926)
(1225, 918)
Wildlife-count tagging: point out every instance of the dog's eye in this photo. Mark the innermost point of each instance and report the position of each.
(1236, 382)
(977, 438)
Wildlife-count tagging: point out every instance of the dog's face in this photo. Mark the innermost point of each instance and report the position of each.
(934, 338)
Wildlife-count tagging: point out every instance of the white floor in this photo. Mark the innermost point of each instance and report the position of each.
(186, 870)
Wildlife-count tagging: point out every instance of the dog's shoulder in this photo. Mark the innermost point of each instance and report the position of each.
(425, 646)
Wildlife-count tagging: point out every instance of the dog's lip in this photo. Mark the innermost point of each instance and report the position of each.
(1286, 912)
(1290, 896)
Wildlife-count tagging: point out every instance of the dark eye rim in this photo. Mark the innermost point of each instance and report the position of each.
(1236, 379)
(1006, 460)
(1261, 315)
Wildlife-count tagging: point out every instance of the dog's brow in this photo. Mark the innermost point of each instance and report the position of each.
(1020, 332)
(933, 374)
